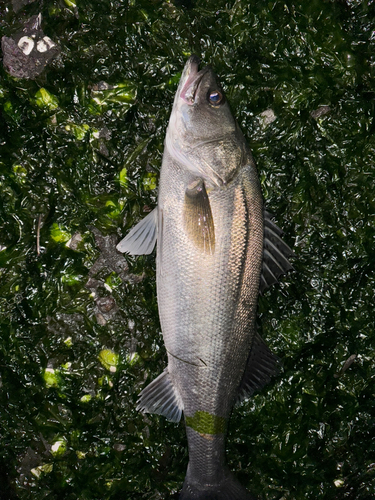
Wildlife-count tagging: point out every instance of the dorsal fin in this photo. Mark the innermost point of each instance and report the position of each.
(275, 256)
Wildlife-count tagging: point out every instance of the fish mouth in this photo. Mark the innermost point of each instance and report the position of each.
(193, 79)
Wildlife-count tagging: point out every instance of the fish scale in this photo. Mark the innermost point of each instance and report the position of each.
(216, 250)
(211, 324)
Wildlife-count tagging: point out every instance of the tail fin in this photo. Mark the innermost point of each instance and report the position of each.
(228, 489)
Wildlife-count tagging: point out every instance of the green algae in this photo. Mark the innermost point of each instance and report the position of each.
(80, 152)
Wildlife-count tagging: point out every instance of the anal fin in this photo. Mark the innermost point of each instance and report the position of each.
(262, 364)
(161, 397)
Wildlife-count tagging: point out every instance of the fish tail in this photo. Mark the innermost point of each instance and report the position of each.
(228, 489)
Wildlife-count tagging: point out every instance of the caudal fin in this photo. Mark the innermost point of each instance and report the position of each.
(228, 489)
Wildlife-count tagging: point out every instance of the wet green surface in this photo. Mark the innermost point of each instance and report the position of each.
(80, 335)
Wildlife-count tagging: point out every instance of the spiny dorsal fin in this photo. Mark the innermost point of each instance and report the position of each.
(198, 219)
(275, 256)
(262, 364)
(141, 238)
(161, 397)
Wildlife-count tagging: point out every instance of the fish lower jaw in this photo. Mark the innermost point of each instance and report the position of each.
(194, 77)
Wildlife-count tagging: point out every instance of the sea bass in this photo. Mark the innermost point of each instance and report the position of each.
(217, 248)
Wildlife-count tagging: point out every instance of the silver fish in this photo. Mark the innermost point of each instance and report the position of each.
(217, 248)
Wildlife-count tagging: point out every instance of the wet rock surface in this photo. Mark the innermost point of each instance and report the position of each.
(27, 53)
(19, 4)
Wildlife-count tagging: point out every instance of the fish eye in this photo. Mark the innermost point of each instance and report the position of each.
(215, 98)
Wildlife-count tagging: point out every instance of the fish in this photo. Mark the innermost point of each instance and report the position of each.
(217, 248)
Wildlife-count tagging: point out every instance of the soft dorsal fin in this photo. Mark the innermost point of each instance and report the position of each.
(262, 364)
(141, 239)
(275, 256)
(198, 219)
(161, 397)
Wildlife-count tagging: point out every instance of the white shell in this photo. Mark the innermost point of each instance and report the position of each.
(41, 46)
(26, 44)
(44, 44)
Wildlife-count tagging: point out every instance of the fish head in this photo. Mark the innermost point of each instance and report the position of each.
(202, 134)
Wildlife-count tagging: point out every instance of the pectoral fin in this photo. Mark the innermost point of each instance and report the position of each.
(141, 238)
(262, 364)
(199, 223)
(161, 397)
(276, 254)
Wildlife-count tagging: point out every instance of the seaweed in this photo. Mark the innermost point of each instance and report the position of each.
(80, 152)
